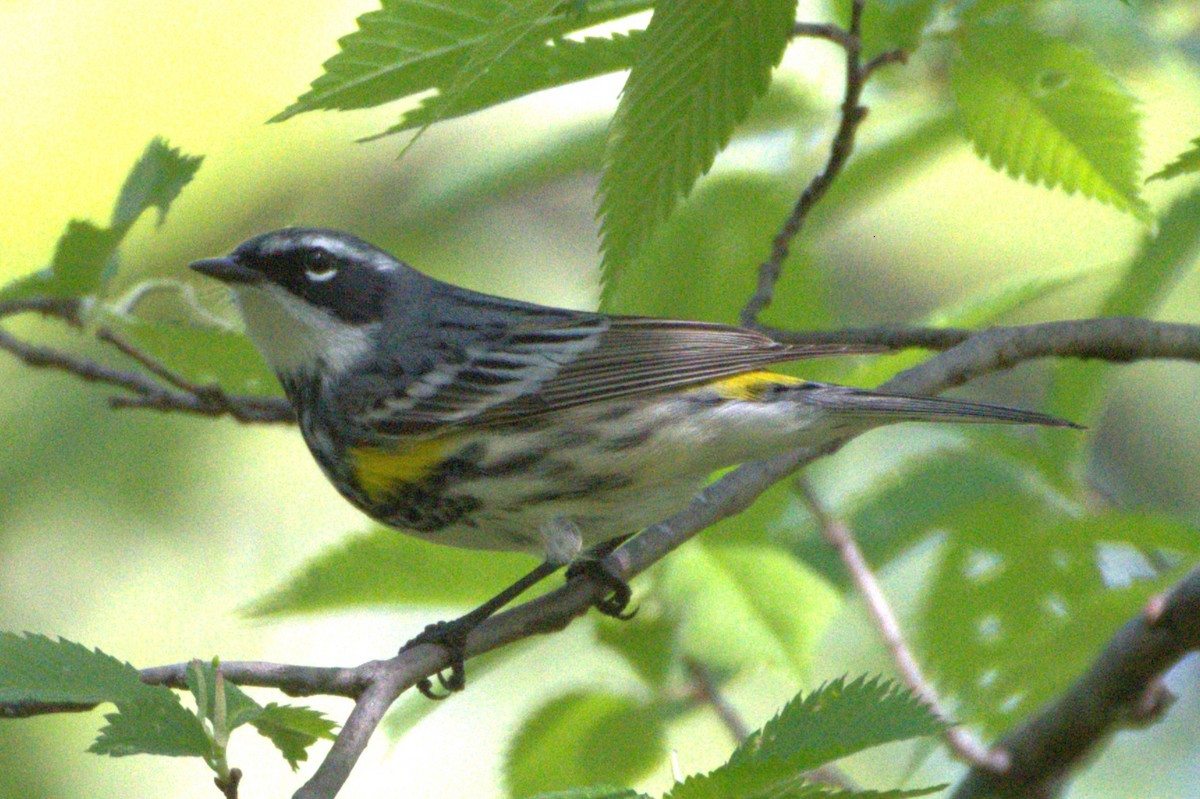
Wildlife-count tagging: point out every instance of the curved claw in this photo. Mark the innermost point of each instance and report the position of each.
(452, 684)
(453, 638)
(614, 603)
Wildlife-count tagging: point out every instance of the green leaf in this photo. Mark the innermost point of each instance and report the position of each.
(743, 606)
(1045, 111)
(583, 738)
(409, 46)
(1187, 162)
(836, 720)
(155, 724)
(239, 707)
(1020, 603)
(891, 24)
(761, 780)
(746, 781)
(702, 263)
(86, 256)
(293, 729)
(647, 643)
(595, 792)
(699, 68)
(550, 64)
(202, 355)
(928, 492)
(509, 35)
(1163, 258)
(154, 182)
(385, 567)
(34, 668)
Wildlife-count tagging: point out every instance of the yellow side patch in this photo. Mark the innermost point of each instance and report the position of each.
(379, 470)
(751, 385)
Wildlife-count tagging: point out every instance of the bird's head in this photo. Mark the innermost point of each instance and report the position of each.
(312, 299)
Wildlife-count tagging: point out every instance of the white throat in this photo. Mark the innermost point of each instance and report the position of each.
(297, 338)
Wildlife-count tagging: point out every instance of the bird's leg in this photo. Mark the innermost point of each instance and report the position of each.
(452, 635)
(590, 566)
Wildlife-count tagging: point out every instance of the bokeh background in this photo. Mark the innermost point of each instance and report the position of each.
(144, 534)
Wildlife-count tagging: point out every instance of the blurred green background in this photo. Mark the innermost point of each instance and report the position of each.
(144, 534)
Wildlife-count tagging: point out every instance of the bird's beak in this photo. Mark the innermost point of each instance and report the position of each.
(227, 270)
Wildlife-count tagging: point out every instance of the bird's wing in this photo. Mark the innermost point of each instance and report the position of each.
(551, 364)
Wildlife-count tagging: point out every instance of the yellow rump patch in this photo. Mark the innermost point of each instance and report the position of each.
(751, 385)
(379, 470)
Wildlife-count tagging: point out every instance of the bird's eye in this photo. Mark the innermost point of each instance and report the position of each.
(320, 274)
(321, 270)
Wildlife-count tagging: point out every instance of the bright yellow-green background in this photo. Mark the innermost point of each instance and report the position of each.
(143, 534)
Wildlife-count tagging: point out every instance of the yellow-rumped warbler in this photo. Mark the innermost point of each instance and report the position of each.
(488, 423)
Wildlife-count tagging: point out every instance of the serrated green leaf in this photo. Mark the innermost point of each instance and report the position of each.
(509, 35)
(836, 720)
(385, 567)
(526, 71)
(1045, 111)
(154, 182)
(583, 738)
(755, 782)
(741, 605)
(1019, 604)
(700, 66)
(746, 781)
(155, 724)
(595, 792)
(293, 729)
(1187, 163)
(34, 668)
(646, 642)
(409, 46)
(85, 258)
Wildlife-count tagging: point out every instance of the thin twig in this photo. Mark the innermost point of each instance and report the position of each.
(823, 30)
(707, 689)
(64, 308)
(852, 115)
(151, 365)
(161, 390)
(377, 683)
(960, 741)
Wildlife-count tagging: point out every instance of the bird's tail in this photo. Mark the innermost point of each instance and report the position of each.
(864, 404)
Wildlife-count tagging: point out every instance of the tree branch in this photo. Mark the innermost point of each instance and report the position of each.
(960, 741)
(1123, 688)
(376, 684)
(160, 390)
(852, 115)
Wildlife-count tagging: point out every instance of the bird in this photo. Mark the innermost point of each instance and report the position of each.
(490, 423)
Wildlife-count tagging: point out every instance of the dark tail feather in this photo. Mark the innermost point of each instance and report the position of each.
(886, 407)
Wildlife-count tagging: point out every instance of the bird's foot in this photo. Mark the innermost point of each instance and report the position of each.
(451, 636)
(615, 599)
